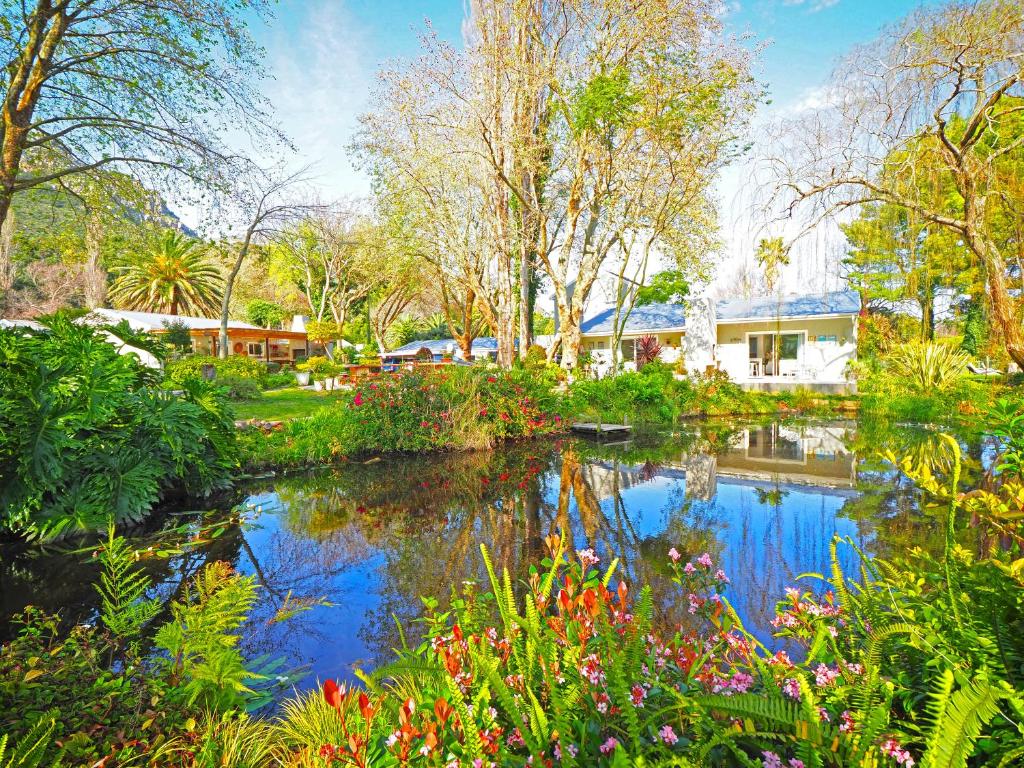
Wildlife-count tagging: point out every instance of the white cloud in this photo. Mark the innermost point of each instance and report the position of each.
(322, 75)
(813, 6)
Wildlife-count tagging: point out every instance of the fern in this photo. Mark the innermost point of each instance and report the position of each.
(958, 719)
(201, 639)
(122, 589)
(31, 750)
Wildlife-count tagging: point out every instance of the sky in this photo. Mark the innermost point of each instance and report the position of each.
(322, 57)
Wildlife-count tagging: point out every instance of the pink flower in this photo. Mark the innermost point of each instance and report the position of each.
(587, 557)
(825, 675)
(847, 722)
(705, 560)
(741, 682)
(668, 735)
(796, 763)
(720, 575)
(609, 746)
(771, 760)
(688, 568)
(891, 748)
(674, 555)
(358, 399)
(791, 687)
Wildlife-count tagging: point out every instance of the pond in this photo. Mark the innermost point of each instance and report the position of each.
(361, 543)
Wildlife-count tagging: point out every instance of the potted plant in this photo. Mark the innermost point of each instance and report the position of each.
(322, 372)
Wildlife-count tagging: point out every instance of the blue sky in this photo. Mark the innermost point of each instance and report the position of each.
(322, 56)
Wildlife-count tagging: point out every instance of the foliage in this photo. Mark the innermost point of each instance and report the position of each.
(928, 366)
(654, 395)
(648, 348)
(265, 314)
(86, 435)
(670, 286)
(280, 380)
(203, 660)
(453, 408)
(94, 693)
(975, 329)
(241, 388)
(238, 366)
(177, 335)
(320, 367)
(178, 277)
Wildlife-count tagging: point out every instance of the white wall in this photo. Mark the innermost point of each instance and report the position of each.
(700, 339)
(826, 361)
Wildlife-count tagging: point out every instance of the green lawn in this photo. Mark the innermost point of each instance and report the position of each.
(288, 403)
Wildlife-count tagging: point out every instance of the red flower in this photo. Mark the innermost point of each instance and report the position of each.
(492, 379)
(358, 399)
(332, 693)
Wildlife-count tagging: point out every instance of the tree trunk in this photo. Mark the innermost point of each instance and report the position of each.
(524, 301)
(1004, 311)
(94, 276)
(229, 285)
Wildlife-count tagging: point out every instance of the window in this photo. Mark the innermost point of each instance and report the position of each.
(752, 341)
(627, 350)
(256, 349)
(789, 346)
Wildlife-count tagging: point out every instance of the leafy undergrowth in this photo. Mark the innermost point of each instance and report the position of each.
(452, 409)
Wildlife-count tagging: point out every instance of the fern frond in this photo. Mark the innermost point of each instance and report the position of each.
(959, 722)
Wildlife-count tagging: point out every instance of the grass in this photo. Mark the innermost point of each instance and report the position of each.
(284, 404)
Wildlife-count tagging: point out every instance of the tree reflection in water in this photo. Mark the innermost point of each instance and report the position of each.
(764, 500)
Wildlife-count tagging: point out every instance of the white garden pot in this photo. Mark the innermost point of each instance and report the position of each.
(318, 386)
(302, 378)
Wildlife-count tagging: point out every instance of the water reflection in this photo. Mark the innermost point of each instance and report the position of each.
(765, 500)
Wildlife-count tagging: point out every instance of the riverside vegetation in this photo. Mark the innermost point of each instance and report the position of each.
(916, 660)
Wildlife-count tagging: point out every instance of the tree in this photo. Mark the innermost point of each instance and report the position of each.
(265, 314)
(936, 99)
(328, 258)
(142, 85)
(579, 127)
(895, 257)
(772, 254)
(669, 286)
(177, 276)
(266, 204)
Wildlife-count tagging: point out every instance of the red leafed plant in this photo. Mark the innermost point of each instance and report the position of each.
(647, 350)
(353, 749)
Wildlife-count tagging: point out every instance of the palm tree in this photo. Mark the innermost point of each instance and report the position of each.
(175, 277)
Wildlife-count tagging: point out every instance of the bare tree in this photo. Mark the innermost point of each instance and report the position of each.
(142, 85)
(267, 201)
(921, 119)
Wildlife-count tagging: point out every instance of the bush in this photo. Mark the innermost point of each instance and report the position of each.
(280, 380)
(928, 366)
(240, 366)
(456, 408)
(238, 388)
(87, 436)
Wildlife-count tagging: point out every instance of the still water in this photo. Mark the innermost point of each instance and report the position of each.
(362, 543)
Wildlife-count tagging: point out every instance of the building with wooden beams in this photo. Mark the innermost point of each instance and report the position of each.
(268, 344)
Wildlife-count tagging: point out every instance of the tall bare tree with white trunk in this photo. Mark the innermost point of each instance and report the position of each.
(922, 119)
(576, 124)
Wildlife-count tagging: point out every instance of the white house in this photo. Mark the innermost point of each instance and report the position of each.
(772, 343)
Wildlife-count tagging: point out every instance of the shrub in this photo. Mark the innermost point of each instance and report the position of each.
(928, 366)
(456, 408)
(280, 380)
(86, 435)
(238, 388)
(648, 348)
(234, 365)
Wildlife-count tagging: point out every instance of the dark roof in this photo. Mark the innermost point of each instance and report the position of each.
(771, 307)
(649, 317)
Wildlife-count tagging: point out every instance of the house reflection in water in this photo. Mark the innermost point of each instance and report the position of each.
(803, 455)
(771, 501)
